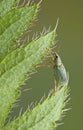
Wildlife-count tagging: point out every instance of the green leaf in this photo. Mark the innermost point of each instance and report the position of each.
(44, 116)
(12, 25)
(14, 68)
(5, 6)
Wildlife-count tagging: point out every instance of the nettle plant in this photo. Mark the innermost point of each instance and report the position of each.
(16, 61)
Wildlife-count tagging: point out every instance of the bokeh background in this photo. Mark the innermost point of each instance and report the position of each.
(70, 47)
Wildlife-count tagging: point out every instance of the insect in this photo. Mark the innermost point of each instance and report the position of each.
(61, 76)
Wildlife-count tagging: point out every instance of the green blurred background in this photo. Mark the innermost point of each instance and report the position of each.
(70, 47)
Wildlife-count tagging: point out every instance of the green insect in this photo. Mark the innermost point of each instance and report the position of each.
(61, 76)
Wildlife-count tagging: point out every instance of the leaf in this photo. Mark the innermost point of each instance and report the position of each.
(5, 6)
(44, 116)
(14, 68)
(12, 25)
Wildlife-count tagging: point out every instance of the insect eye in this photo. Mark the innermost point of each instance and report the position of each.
(56, 57)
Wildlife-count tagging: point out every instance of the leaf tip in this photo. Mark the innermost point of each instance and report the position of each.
(57, 22)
